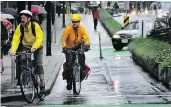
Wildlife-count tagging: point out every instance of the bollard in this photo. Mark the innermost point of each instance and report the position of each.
(100, 46)
(55, 22)
(13, 71)
(142, 28)
(67, 9)
(159, 70)
(164, 76)
(168, 78)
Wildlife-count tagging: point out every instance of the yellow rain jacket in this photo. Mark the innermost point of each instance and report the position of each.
(70, 39)
(29, 40)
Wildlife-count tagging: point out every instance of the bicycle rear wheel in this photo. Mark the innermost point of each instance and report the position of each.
(27, 86)
(76, 80)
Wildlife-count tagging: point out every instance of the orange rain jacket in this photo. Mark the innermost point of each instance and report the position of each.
(70, 40)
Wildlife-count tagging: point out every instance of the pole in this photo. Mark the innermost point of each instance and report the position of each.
(142, 28)
(55, 21)
(48, 40)
(63, 25)
(29, 5)
(0, 32)
(156, 9)
(21, 6)
(70, 5)
(13, 71)
(100, 46)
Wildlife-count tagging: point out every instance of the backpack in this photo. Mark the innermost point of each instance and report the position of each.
(84, 74)
(35, 18)
(32, 28)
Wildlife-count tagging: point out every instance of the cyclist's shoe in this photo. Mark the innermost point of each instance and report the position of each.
(42, 92)
(64, 75)
(42, 89)
(69, 85)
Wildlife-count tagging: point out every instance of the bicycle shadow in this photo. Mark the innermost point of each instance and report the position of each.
(72, 99)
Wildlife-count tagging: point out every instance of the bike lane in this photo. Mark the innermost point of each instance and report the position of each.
(115, 79)
(128, 88)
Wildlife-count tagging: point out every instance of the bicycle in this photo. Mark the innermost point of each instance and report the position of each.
(28, 79)
(76, 73)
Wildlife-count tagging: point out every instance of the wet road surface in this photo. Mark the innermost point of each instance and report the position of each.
(130, 83)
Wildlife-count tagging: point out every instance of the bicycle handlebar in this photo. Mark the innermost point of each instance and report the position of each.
(73, 51)
(28, 52)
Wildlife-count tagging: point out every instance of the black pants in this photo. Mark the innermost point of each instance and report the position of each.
(95, 23)
(70, 58)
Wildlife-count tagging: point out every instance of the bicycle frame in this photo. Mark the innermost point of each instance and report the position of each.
(76, 74)
(27, 71)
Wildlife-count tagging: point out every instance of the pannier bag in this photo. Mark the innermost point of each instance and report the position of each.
(84, 74)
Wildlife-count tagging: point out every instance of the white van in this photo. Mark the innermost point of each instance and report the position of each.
(134, 29)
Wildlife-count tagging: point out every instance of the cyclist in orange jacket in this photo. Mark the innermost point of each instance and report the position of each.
(72, 38)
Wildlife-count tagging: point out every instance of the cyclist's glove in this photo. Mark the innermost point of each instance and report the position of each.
(86, 48)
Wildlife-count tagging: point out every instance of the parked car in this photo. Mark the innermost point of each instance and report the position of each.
(74, 10)
(144, 28)
(162, 34)
(94, 3)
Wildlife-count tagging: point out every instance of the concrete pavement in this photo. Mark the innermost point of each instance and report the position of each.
(51, 64)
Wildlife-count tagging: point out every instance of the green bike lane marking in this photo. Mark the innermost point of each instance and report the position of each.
(109, 52)
(113, 105)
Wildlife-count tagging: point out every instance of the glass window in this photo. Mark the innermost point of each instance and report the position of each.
(158, 24)
(150, 25)
(132, 26)
(163, 24)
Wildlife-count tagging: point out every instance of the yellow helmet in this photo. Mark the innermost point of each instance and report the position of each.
(75, 17)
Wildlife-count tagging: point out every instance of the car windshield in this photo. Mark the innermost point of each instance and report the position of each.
(159, 24)
(132, 26)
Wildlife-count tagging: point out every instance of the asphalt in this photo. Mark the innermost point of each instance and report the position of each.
(51, 64)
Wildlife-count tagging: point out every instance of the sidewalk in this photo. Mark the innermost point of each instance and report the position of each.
(51, 64)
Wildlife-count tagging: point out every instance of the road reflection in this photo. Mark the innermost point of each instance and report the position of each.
(75, 99)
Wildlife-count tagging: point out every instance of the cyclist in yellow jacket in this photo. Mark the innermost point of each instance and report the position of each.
(72, 38)
(30, 42)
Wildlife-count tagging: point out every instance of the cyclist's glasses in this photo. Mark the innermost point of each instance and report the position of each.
(75, 21)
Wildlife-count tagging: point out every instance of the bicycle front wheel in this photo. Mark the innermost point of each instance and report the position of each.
(27, 86)
(76, 81)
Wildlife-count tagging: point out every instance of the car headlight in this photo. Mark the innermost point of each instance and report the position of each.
(146, 11)
(133, 12)
(116, 36)
(159, 16)
(148, 33)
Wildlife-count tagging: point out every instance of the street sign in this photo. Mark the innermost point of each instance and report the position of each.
(126, 21)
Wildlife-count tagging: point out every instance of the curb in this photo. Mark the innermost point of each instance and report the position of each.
(55, 72)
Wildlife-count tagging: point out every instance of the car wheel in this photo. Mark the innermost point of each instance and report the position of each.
(118, 48)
